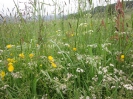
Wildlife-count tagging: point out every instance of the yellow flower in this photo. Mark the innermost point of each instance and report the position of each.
(2, 74)
(11, 60)
(74, 49)
(122, 57)
(53, 65)
(9, 46)
(31, 55)
(10, 68)
(21, 55)
(10, 64)
(51, 59)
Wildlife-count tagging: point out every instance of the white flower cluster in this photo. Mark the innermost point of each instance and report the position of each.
(105, 47)
(16, 75)
(4, 87)
(128, 86)
(92, 45)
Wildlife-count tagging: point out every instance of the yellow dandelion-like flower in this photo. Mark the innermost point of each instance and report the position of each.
(21, 55)
(11, 60)
(40, 65)
(53, 65)
(2, 74)
(31, 55)
(10, 68)
(51, 59)
(74, 49)
(9, 46)
(122, 57)
(10, 64)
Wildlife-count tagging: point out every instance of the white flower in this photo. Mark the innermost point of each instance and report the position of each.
(112, 65)
(45, 96)
(128, 86)
(16, 75)
(56, 78)
(83, 24)
(121, 72)
(112, 87)
(1, 51)
(79, 70)
(62, 86)
(91, 31)
(94, 96)
(69, 75)
(81, 97)
(67, 45)
(99, 72)
(95, 78)
(87, 97)
(91, 88)
(60, 52)
(58, 31)
(104, 69)
(79, 57)
(92, 45)
(4, 87)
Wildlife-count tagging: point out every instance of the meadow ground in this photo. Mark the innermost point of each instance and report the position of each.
(75, 58)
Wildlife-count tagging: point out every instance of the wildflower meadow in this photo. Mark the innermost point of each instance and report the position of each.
(82, 56)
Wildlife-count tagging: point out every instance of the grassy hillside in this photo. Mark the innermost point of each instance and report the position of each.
(88, 57)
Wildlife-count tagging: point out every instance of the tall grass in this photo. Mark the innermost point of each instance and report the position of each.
(73, 58)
